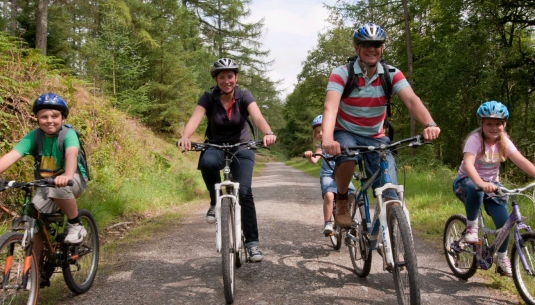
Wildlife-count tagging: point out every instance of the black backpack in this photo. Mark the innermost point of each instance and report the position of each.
(386, 83)
(241, 106)
(38, 151)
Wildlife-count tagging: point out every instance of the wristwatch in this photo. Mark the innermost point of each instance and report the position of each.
(269, 133)
(432, 124)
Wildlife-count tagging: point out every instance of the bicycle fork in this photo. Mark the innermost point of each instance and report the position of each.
(234, 197)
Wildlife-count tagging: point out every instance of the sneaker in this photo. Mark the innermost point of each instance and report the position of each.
(255, 255)
(328, 228)
(471, 235)
(210, 215)
(75, 233)
(504, 267)
(343, 216)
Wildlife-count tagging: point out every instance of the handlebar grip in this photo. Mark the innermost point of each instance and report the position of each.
(70, 183)
(51, 181)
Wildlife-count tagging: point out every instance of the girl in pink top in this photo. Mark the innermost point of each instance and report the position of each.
(484, 150)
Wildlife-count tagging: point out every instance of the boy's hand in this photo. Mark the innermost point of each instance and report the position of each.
(62, 180)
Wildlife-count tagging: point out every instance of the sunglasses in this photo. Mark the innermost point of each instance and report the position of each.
(369, 44)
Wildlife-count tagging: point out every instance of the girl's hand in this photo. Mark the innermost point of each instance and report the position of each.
(487, 187)
(308, 154)
(184, 144)
(269, 139)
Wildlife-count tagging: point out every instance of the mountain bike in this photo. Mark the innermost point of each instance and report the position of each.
(389, 231)
(23, 272)
(464, 259)
(230, 241)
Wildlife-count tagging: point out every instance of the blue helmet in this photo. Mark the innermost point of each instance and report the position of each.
(369, 32)
(317, 121)
(493, 110)
(51, 101)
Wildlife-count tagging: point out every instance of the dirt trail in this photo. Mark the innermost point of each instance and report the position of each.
(181, 266)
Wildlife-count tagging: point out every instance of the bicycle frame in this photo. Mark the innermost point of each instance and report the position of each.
(379, 222)
(232, 191)
(485, 253)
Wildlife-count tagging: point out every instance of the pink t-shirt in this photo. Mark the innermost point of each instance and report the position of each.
(488, 165)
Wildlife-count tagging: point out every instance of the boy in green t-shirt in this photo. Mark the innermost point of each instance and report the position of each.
(51, 112)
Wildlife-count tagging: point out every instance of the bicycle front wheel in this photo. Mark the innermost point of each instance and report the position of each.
(524, 282)
(462, 263)
(80, 266)
(405, 269)
(227, 248)
(13, 262)
(359, 251)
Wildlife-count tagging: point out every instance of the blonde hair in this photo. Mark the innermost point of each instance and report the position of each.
(501, 142)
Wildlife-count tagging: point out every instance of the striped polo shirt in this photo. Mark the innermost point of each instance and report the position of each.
(364, 110)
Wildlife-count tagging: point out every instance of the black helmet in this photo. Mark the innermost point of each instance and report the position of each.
(369, 32)
(51, 101)
(224, 64)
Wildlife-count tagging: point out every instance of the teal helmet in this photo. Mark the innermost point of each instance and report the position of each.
(317, 121)
(492, 110)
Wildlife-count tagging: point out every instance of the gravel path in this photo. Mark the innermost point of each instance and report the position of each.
(299, 267)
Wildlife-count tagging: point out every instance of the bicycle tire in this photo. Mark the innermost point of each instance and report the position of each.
(227, 249)
(462, 264)
(336, 236)
(405, 274)
(359, 251)
(81, 264)
(11, 252)
(525, 283)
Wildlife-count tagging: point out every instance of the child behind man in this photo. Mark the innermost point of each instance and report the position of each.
(328, 185)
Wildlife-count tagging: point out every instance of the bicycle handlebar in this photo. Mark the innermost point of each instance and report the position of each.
(414, 142)
(502, 191)
(46, 182)
(253, 145)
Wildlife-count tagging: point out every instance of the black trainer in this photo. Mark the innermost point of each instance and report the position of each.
(255, 255)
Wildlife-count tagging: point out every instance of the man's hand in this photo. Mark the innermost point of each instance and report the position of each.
(431, 133)
(331, 147)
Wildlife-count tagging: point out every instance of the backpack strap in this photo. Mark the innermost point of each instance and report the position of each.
(351, 83)
(38, 152)
(386, 83)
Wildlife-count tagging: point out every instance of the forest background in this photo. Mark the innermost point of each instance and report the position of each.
(132, 71)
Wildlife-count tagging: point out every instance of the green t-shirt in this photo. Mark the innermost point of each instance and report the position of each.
(51, 158)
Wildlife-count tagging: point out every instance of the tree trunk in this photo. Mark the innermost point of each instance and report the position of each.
(14, 14)
(409, 61)
(41, 25)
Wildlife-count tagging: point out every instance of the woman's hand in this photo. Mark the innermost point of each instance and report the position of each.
(487, 187)
(184, 143)
(269, 139)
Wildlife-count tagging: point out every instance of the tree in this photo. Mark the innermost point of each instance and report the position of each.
(41, 28)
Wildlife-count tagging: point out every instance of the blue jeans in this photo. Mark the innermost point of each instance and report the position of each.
(371, 160)
(464, 189)
(241, 167)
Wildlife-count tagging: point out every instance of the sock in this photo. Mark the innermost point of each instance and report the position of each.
(502, 255)
(472, 223)
(74, 220)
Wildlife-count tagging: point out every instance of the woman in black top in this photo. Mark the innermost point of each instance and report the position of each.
(226, 124)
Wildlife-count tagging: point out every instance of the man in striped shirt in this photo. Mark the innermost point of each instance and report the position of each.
(358, 119)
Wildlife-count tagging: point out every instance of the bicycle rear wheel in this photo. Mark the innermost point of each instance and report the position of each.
(227, 248)
(359, 251)
(12, 265)
(336, 235)
(80, 266)
(463, 264)
(405, 269)
(524, 282)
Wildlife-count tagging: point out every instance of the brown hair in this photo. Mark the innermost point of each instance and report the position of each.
(502, 142)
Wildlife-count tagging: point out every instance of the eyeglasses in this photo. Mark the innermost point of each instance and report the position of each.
(369, 44)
